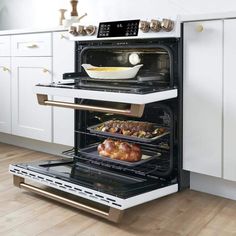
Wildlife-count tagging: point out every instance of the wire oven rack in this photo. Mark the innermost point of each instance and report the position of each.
(153, 168)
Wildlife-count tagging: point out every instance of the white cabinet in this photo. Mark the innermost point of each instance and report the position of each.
(5, 46)
(25, 60)
(63, 61)
(28, 118)
(202, 97)
(229, 100)
(5, 94)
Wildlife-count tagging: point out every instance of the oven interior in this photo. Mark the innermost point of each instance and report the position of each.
(155, 61)
(159, 151)
(159, 70)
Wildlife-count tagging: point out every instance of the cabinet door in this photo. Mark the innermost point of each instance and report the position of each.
(29, 119)
(229, 100)
(5, 95)
(202, 97)
(63, 61)
(5, 46)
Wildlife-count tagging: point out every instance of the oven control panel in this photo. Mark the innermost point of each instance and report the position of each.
(118, 29)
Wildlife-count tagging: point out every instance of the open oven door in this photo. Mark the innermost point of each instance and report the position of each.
(136, 100)
(112, 192)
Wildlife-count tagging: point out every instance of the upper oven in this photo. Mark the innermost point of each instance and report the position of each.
(156, 79)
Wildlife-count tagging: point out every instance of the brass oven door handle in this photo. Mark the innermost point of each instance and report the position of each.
(64, 200)
(135, 110)
(109, 213)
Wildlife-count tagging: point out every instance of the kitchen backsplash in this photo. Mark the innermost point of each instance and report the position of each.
(42, 13)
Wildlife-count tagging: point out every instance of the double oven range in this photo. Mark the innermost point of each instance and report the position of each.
(102, 185)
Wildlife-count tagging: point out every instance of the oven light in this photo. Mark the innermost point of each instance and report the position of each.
(134, 58)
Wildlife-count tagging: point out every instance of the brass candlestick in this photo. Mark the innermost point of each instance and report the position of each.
(74, 8)
(62, 15)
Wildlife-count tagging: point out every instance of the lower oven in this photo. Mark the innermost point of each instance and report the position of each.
(116, 184)
(128, 133)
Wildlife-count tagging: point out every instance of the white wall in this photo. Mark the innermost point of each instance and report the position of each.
(43, 13)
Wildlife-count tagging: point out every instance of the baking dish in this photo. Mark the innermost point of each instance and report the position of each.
(111, 72)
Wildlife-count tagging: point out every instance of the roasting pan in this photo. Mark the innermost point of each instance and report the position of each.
(93, 130)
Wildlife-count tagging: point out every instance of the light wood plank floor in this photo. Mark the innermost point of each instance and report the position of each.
(185, 213)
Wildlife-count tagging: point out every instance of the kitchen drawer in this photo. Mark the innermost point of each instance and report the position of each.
(32, 45)
(5, 48)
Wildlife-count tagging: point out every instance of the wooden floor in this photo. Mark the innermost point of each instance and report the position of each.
(186, 213)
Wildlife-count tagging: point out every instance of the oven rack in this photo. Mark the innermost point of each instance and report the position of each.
(155, 168)
(160, 145)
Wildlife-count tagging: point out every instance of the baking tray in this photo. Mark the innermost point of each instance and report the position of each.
(92, 153)
(92, 129)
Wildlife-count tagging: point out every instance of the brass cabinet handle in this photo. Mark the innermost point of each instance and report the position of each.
(45, 70)
(199, 28)
(32, 46)
(135, 110)
(5, 69)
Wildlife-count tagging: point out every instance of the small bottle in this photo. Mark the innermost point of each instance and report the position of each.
(62, 16)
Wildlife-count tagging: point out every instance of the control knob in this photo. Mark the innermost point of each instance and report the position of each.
(81, 30)
(167, 25)
(155, 25)
(90, 30)
(144, 26)
(73, 31)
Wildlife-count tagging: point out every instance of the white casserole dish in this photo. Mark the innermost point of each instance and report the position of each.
(111, 72)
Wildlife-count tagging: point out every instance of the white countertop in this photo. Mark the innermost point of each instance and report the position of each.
(32, 30)
(208, 16)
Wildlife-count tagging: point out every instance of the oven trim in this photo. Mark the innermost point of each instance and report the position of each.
(90, 194)
(107, 96)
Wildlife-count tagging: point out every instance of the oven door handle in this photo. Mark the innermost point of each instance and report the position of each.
(109, 213)
(135, 110)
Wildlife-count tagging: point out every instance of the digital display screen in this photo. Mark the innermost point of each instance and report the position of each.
(118, 29)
